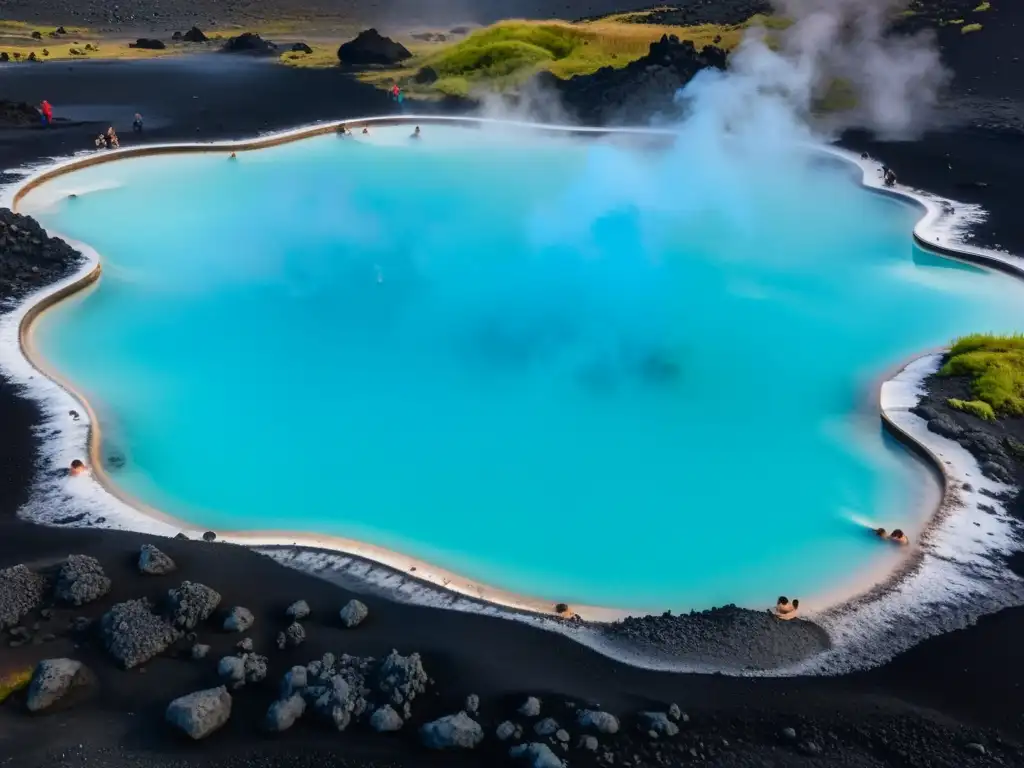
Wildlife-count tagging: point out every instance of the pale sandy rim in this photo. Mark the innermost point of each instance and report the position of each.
(927, 230)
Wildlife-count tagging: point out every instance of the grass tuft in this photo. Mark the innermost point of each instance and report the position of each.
(967, 28)
(977, 408)
(983, 7)
(14, 681)
(995, 365)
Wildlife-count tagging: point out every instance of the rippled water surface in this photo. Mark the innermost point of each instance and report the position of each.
(626, 376)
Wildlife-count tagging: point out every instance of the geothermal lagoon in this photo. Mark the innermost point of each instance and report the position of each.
(601, 371)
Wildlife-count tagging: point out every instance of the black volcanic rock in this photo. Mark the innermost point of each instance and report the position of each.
(148, 43)
(17, 114)
(249, 42)
(194, 35)
(426, 76)
(369, 48)
(642, 89)
(301, 48)
(31, 258)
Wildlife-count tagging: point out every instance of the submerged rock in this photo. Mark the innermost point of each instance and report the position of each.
(354, 613)
(52, 680)
(21, 591)
(201, 713)
(154, 562)
(457, 731)
(133, 634)
(81, 580)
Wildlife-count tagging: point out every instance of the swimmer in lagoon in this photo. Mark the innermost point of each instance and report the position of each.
(881, 533)
(78, 468)
(899, 537)
(233, 156)
(366, 131)
(786, 610)
(416, 133)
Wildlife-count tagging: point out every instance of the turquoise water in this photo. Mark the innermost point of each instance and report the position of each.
(633, 377)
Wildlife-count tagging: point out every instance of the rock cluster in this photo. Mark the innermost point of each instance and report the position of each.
(190, 604)
(292, 637)
(21, 590)
(236, 671)
(201, 713)
(996, 455)
(17, 114)
(81, 580)
(133, 634)
(342, 689)
(31, 258)
(154, 562)
(371, 48)
(646, 86)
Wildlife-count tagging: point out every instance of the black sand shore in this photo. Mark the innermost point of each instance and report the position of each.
(922, 709)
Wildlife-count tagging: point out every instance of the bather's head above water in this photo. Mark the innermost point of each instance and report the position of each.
(77, 468)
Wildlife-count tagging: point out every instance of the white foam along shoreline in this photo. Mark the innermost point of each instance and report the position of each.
(954, 579)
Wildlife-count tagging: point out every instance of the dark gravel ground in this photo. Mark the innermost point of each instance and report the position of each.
(922, 709)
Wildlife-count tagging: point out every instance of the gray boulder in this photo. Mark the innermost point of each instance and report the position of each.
(546, 727)
(535, 755)
(133, 634)
(472, 703)
(239, 619)
(658, 722)
(283, 713)
(201, 713)
(298, 610)
(200, 651)
(385, 719)
(191, 603)
(399, 680)
(154, 562)
(452, 732)
(236, 671)
(52, 679)
(293, 680)
(21, 591)
(354, 613)
(530, 707)
(675, 712)
(508, 730)
(589, 743)
(292, 637)
(602, 722)
(81, 580)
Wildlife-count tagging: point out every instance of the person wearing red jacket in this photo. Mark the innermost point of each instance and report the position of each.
(47, 111)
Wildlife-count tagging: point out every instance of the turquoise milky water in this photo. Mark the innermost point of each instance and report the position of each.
(621, 376)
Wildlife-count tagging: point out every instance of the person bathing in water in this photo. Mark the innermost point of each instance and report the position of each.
(897, 536)
(786, 610)
(77, 468)
(416, 133)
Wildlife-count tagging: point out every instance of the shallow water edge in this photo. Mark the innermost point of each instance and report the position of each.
(928, 595)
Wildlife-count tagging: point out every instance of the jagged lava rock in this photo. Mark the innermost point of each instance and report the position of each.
(298, 610)
(535, 756)
(601, 722)
(81, 580)
(251, 43)
(530, 707)
(154, 562)
(354, 613)
(194, 35)
(283, 713)
(239, 619)
(133, 634)
(21, 591)
(385, 719)
(191, 603)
